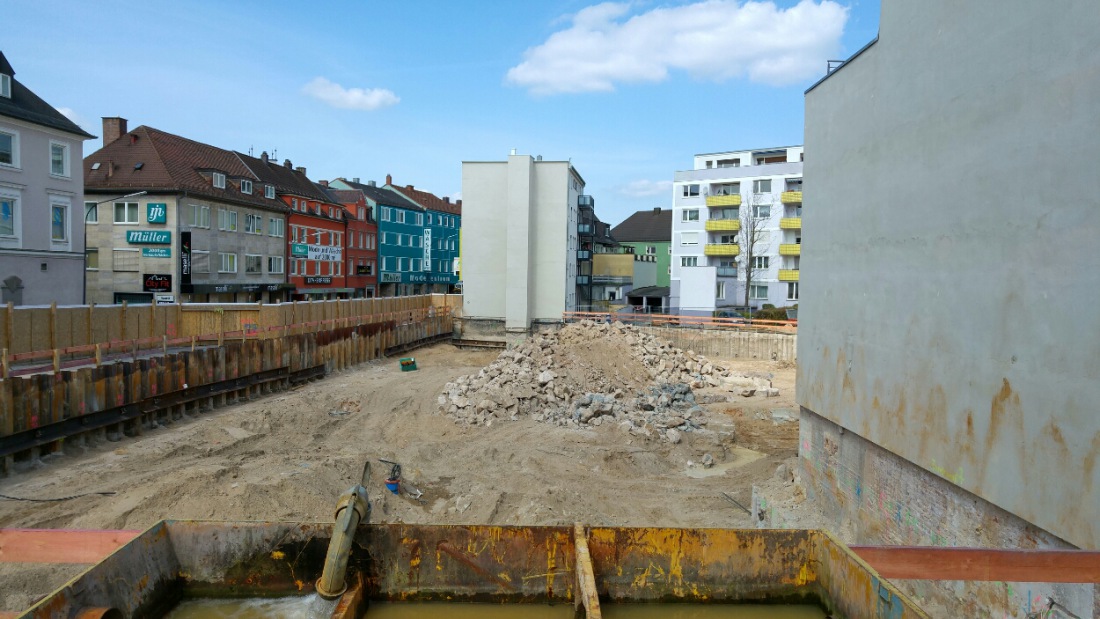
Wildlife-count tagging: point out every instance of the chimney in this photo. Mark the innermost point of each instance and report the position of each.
(287, 164)
(372, 184)
(113, 128)
(409, 187)
(657, 210)
(389, 179)
(301, 170)
(458, 203)
(323, 183)
(447, 199)
(355, 180)
(263, 156)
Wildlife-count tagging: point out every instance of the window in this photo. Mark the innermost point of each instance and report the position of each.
(720, 290)
(762, 211)
(691, 191)
(5, 85)
(275, 226)
(253, 224)
(399, 216)
(416, 265)
(402, 264)
(9, 148)
(253, 263)
(91, 259)
(59, 158)
(227, 220)
(724, 213)
(124, 260)
(792, 291)
(275, 264)
(727, 239)
(689, 238)
(725, 189)
(246, 186)
(337, 268)
(729, 163)
(294, 203)
(762, 185)
(419, 219)
(691, 214)
(757, 291)
(219, 180)
(387, 263)
(126, 213)
(269, 192)
(91, 213)
(59, 223)
(430, 219)
(689, 261)
(760, 262)
(200, 261)
(227, 263)
(385, 213)
(794, 184)
(650, 250)
(294, 266)
(200, 216)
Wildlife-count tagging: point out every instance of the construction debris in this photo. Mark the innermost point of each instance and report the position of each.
(589, 374)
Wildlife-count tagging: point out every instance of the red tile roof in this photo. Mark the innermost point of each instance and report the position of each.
(426, 199)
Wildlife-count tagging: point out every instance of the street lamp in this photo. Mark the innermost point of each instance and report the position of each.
(88, 209)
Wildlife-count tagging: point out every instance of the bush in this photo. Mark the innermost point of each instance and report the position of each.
(770, 313)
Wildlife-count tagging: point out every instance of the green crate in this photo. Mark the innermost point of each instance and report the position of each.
(408, 364)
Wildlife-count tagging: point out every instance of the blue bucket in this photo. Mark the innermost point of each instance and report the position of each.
(392, 485)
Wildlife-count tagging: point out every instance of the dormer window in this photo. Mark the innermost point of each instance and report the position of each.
(219, 180)
(269, 192)
(5, 86)
(246, 186)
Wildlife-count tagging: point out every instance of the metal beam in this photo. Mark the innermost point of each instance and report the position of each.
(982, 564)
(60, 545)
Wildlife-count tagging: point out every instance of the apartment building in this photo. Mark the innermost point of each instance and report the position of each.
(737, 228)
(361, 246)
(41, 181)
(604, 270)
(206, 227)
(442, 222)
(520, 262)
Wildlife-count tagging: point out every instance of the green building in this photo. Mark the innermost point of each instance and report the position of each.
(649, 233)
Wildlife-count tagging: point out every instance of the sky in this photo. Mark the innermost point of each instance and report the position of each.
(627, 91)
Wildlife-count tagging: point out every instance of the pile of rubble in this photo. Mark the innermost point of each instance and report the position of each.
(591, 374)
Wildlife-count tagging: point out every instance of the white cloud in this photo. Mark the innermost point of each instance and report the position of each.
(647, 188)
(713, 39)
(349, 98)
(71, 114)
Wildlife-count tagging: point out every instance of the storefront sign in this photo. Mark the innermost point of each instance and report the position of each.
(391, 278)
(316, 252)
(157, 282)
(427, 249)
(165, 298)
(318, 280)
(156, 252)
(362, 269)
(156, 213)
(417, 278)
(148, 237)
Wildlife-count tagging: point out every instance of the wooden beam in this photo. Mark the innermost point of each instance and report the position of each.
(585, 594)
(982, 564)
(60, 545)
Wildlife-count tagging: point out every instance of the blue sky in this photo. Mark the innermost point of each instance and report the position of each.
(628, 91)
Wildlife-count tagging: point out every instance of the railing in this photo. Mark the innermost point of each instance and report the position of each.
(722, 249)
(791, 197)
(582, 280)
(733, 200)
(788, 275)
(698, 322)
(790, 223)
(584, 254)
(790, 249)
(727, 271)
(616, 280)
(723, 225)
(584, 228)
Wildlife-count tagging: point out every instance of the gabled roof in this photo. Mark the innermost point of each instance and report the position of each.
(649, 225)
(380, 195)
(286, 179)
(427, 199)
(171, 163)
(25, 105)
(345, 196)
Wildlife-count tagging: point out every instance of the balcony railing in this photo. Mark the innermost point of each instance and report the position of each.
(788, 275)
(723, 225)
(790, 223)
(584, 254)
(734, 200)
(791, 197)
(722, 249)
(584, 228)
(589, 201)
(790, 249)
(727, 271)
(612, 280)
(582, 280)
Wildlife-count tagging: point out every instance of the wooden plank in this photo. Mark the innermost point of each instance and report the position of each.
(585, 594)
(60, 545)
(982, 564)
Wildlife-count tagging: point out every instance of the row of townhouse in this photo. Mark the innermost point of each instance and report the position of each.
(172, 219)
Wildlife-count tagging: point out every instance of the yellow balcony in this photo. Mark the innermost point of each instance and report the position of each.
(790, 223)
(790, 249)
(791, 197)
(723, 225)
(725, 249)
(788, 275)
(734, 200)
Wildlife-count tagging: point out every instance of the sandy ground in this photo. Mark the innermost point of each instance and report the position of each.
(289, 455)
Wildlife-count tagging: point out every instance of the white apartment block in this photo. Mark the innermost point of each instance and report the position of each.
(519, 259)
(708, 265)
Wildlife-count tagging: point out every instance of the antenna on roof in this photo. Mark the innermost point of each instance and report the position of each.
(249, 150)
(274, 154)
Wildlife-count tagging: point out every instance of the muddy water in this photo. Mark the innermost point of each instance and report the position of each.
(300, 607)
(413, 610)
(445, 610)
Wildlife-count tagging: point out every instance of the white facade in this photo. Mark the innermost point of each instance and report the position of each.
(708, 264)
(519, 258)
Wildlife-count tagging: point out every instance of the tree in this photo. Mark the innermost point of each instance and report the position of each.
(754, 237)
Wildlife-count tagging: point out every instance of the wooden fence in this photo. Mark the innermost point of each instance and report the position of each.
(191, 374)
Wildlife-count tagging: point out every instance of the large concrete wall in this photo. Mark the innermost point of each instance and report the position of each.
(948, 311)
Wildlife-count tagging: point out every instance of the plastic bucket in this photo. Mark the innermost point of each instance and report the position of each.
(392, 485)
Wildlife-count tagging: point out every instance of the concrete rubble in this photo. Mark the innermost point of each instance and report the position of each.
(591, 374)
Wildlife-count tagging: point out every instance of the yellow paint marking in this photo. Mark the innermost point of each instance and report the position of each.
(278, 555)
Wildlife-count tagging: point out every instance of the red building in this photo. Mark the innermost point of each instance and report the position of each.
(361, 245)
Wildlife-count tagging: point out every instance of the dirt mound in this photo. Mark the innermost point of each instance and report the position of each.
(594, 373)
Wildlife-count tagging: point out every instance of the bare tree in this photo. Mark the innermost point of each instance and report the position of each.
(754, 237)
